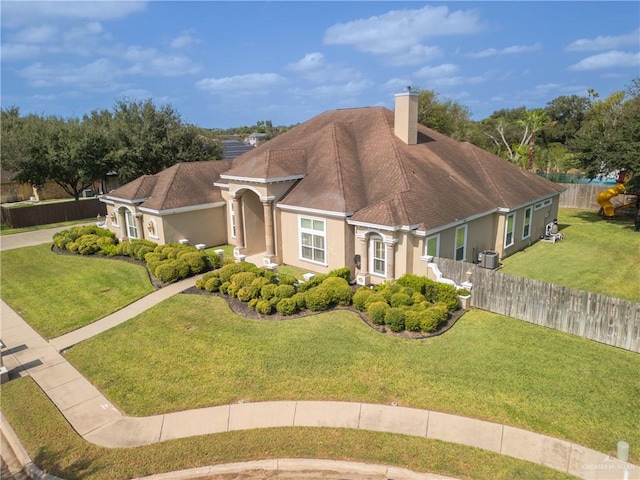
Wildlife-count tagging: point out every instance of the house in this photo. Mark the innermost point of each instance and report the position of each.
(255, 139)
(234, 148)
(367, 188)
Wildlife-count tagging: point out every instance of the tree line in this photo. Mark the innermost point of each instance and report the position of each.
(592, 135)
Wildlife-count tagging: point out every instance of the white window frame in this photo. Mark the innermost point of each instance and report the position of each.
(542, 204)
(526, 222)
(463, 257)
(130, 224)
(232, 218)
(315, 234)
(374, 259)
(156, 234)
(509, 237)
(426, 245)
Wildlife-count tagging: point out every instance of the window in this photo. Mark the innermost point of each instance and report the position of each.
(132, 229)
(508, 233)
(232, 217)
(461, 241)
(378, 256)
(312, 239)
(543, 204)
(526, 226)
(432, 246)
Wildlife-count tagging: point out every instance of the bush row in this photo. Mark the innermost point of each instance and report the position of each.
(169, 263)
(267, 292)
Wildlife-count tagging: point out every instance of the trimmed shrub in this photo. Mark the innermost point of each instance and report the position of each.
(395, 318)
(233, 289)
(287, 306)
(338, 289)
(300, 300)
(166, 272)
(417, 297)
(285, 291)
(260, 282)
(243, 279)
(274, 301)
(431, 290)
(214, 259)
(252, 303)
(344, 272)
(212, 284)
(448, 294)
(317, 299)
(268, 291)
(153, 265)
(154, 257)
(263, 307)
(231, 269)
(109, 250)
(413, 281)
(360, 297)
(181, 267)
(412, 320)
(400, 299)
(224, 287)
(377, 311)
(314, 282)
(431, 319)
(73, 247)
(195, 261)
(376, 297)
(247, 293)
(270, 275)
(286, 279)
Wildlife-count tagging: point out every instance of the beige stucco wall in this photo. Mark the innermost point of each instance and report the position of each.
(205, 226)
(15, 192)
(339, 250)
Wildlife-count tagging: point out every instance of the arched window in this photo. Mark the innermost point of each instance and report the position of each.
(377, 256)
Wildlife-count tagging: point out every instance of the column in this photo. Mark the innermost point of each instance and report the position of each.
(390, 257)
(237, 211)
(139, 225)
(268, 228)
(122, 223)
(361, 249)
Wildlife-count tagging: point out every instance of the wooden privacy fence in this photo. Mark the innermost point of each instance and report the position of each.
(608, 320)
(583, 196)
(52, 213)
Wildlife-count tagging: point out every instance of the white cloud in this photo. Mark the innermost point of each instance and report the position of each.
(314, 67)
(491, 52)
(605, 42)
(17, 51)
(99, 74)
(612, 59)
(400, 31)
(137, 94)
(39, 34)
(414, 55)
(352, 88)
(239, 83)
(184, 40)
(16, 14)
(445, 76)
(148, 61)
(311, 61)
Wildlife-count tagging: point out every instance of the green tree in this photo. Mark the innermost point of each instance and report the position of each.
(445, 116)
(533, 122)
(566, 114)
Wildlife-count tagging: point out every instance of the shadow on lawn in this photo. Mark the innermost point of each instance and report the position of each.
(47, 460)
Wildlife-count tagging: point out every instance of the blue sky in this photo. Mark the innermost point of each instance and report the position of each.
(226, 64)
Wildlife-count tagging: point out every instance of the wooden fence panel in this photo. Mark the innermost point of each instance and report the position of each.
(47, 213)
(608, 320)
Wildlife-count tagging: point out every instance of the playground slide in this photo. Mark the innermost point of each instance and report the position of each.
(604, 199)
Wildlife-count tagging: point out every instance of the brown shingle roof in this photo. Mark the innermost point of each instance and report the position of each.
(355, 163)
(181, 185)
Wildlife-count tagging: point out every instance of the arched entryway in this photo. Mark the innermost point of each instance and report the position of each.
(253, 215)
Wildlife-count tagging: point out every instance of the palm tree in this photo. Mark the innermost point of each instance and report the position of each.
(534, 121)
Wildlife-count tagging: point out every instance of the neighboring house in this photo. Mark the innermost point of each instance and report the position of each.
(11, 190)
(179, 203)
(373, 190)
(256, 139)
(234, 148)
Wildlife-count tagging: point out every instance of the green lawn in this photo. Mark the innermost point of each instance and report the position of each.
(66, 455)
(60, 293)
(191, 351)
(5, 230)
(597, 255)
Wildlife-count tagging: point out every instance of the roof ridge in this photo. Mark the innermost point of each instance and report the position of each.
(170, 183)
(336, 157)
(397, 156)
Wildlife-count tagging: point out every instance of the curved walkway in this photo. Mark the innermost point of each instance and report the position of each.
(99, 422)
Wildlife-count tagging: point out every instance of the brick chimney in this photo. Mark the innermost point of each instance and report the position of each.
(406, 116)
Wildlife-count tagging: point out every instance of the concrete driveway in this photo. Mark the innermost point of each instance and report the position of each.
(28, 239)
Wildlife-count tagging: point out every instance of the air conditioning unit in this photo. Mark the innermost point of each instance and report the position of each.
(362, 279)
(488, 259)
(87, 193)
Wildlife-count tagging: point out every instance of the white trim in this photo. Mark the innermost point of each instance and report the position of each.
(313, 211)
(262, 180)
(457, 223)
(543, 203)
(372, 258)
(107, 201)
(464, 245)
(224, 186)
(373, 225)
(524, 219)
(313, 233)
(191, 208)
(426, 243)
(512, 232)
(127, 200)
